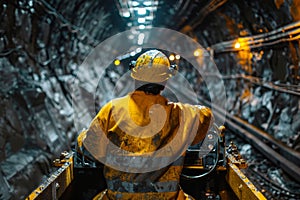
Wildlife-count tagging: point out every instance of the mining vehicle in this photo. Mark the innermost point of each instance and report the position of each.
(212, 170)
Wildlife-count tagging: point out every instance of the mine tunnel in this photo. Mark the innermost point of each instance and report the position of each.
(61, 61)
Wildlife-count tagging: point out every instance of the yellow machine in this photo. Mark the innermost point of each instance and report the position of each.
(209, 173)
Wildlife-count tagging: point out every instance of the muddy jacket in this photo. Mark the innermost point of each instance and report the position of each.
(142, 123)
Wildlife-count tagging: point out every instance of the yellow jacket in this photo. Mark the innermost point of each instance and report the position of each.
(142, 123)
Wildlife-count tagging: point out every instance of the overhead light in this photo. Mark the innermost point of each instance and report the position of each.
(117, 62)
(141, 38)
(138, 50)
(198, 52)
(135, 3)
(142, 26)
(237, 45)
(142, 11)
(147, 3)
(126, 14)
(141, 20)
(152, 8)
(132, 53)
(150, 17)
(30, 3)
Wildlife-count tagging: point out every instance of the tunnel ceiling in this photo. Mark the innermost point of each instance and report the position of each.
(216, 24)
(226, 19)
(210, 21)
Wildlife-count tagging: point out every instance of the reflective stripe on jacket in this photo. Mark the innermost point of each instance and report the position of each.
(123, 120)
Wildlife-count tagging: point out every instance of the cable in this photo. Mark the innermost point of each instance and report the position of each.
(270, 85)
(271, 182)
(216, 160)
(287, 33)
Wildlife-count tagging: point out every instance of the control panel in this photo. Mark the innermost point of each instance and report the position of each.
(206, 156)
